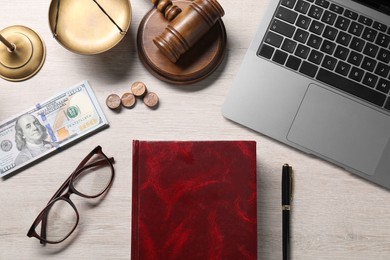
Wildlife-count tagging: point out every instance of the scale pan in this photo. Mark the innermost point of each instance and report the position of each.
(89, 26)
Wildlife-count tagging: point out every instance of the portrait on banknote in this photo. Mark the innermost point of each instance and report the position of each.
(30, 138)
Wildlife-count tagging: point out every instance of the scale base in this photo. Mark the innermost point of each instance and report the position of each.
(26, 59)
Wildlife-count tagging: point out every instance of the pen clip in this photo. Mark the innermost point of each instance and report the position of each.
(290, 173)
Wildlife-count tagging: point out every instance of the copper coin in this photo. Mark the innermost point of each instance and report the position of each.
(151, 99)
(128, 100)
(113, 101)
(138, 88)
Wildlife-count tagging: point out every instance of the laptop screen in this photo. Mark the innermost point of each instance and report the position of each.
(380, 5)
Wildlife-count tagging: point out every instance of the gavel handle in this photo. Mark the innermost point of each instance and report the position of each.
(9, 45)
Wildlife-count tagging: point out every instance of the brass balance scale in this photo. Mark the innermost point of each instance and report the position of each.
(82, 26)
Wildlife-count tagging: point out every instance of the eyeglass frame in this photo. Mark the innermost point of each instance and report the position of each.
(42, 216)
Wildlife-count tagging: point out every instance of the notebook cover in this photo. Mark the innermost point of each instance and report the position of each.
(194, 200)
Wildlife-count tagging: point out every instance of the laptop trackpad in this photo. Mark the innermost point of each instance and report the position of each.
(340, 129)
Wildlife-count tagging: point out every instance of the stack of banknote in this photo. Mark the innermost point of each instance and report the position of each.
(49, 125)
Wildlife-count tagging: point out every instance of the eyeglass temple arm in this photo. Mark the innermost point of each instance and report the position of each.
(64, 186)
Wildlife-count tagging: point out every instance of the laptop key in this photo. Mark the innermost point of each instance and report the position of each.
(288, 3)
(316, 57)
(350, 14)
(323, 3)
(302, 51)
(301, 35)
(266, 51)
(286, 15)
(369, 64)
(365, 20)
(341, 52)
(329, 17)
(357, 44)
(342, 23)
(355, 58)
(315, 12)
(330, 33)
(370, 80)
(328, 47)
(351, 87)
(380, 26)
(343, 68)
(369, 34)
(280, 57)
(383, 40)
(356, 29)
(293, 62)
(344, 38)
(336, 8)
(282, 28)
(303, 21)
(273, 39)
(308, 69)
(289, 45)
(356, 74)
(382, 70)
(384, 55)
(371, 50)
(314, 41)
(329, 62)
(383, 86)
(302, 6)
(317, 27)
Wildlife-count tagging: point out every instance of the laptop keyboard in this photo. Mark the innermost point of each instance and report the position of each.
(334, 45)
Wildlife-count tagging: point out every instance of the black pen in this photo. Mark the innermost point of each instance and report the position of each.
(286, 206)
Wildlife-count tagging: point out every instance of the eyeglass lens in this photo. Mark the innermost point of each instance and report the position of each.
(61, 220)
(92, 181)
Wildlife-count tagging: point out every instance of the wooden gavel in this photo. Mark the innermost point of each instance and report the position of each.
(186, 27)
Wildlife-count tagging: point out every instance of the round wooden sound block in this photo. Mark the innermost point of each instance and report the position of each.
(196, 64)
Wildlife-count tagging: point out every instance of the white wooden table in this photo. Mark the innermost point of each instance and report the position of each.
(335, 214)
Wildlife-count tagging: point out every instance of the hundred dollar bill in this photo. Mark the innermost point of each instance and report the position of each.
(48, 126)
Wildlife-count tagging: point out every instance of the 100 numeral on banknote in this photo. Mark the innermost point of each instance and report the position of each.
(49, 125)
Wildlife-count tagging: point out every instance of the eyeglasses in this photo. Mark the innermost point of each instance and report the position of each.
(92, 178)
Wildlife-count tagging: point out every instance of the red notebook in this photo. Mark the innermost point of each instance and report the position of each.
(194, 200)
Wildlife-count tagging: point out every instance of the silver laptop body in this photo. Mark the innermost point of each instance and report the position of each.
(310, 114)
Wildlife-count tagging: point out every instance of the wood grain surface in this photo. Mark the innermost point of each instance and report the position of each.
(336, 215)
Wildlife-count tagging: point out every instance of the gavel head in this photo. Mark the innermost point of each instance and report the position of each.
(190, 25)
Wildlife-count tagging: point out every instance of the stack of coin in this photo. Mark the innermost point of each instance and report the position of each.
(151, 99)
(128, 100)
(113, 101)
(138, 89)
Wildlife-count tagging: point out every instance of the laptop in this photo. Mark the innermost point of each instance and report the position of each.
(317, 77)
